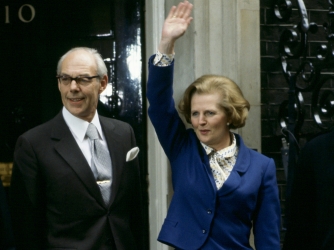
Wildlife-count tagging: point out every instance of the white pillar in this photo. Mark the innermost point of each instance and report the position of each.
(227, 42)
(157, 160)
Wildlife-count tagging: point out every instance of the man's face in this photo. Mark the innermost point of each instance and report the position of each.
(81, 101)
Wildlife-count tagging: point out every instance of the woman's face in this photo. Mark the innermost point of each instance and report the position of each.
(209, 121)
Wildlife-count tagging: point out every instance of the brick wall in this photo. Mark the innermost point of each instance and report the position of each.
(274, 87)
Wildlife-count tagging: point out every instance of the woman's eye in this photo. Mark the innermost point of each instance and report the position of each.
(210, 113)
(194, 114)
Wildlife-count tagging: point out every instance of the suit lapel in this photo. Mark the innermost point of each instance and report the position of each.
(117, 153)
(241, 166)
(68, 148)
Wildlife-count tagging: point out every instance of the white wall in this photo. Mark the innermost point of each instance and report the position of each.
(222, 39)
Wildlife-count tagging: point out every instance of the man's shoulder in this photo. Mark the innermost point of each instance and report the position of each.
(321, 139)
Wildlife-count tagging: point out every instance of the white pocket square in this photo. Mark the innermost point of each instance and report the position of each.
(132, 154)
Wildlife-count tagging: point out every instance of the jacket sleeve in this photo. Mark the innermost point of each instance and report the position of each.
(137, 214)
(268, 212)
(167, 123)
(27, 201)
(301, 222)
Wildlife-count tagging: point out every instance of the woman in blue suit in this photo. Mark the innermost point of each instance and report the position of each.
(222, 189)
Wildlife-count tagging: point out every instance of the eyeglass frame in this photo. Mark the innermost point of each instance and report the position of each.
(59, 77)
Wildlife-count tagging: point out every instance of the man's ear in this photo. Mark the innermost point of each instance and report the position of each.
(104, 83)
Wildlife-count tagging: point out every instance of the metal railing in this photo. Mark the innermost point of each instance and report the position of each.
(306, 75)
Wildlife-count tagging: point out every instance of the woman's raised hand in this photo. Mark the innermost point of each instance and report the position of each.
(175, 26)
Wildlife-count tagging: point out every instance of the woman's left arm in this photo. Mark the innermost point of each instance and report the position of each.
(266, 224)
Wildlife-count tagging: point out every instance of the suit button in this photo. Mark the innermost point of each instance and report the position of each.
(203, 231)
(209, 211)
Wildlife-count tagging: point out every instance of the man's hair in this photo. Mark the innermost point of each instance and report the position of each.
(100, 65)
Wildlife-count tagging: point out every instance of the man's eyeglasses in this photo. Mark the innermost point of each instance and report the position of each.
(81, 80)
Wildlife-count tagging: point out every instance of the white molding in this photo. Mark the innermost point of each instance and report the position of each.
(157, 160)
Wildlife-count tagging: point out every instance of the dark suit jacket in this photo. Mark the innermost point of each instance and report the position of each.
(55, 201)
(311, 221)
(200, 216)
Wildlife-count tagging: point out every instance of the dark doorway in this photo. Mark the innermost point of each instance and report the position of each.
(34, 35)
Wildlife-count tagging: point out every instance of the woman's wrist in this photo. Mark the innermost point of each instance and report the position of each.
(166, 47)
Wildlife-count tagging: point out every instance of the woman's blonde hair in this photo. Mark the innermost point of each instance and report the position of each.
(232, 100)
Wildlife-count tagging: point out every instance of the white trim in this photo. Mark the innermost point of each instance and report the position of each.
(157, 160)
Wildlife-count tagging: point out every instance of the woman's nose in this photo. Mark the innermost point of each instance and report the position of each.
(202, 119)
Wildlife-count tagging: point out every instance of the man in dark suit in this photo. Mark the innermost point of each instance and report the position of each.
(311, 221)
(56, 200)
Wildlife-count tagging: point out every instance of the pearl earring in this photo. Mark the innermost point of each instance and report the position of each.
(228, 124)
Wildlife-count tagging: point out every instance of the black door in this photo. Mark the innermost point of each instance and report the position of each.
(33, 36)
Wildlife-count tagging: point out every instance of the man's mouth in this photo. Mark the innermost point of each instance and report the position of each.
(75, 99)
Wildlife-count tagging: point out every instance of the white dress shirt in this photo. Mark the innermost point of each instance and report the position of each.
(78, 128)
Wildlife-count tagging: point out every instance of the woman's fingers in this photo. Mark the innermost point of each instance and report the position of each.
(182, 10)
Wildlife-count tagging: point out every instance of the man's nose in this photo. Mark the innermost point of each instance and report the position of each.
(74, 85)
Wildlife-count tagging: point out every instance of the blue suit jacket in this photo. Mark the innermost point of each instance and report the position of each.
(200, 216)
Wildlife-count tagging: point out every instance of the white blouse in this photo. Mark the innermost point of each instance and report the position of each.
(222, 161)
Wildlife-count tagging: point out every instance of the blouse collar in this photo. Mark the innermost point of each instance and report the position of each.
(225, 152)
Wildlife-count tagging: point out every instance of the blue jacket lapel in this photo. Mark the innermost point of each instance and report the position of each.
(241, 166)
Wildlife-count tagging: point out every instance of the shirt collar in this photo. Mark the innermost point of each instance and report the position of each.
(225, 152)
(78, 126)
